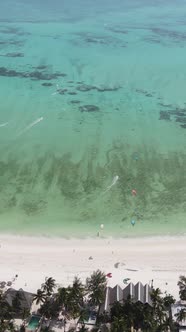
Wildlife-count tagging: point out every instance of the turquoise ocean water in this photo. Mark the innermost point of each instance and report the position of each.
(93, 117)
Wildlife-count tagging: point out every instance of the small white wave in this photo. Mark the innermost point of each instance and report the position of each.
(3, 124)
(31, 125)
(114, 181)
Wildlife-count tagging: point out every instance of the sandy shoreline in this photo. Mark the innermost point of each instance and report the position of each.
(141, 259)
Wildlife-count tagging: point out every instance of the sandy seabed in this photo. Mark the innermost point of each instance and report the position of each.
(161, 259)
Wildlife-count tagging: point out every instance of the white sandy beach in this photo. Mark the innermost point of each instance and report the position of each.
(141, 259)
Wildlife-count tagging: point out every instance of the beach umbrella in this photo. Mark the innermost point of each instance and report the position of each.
(126, 280)
(109, 275)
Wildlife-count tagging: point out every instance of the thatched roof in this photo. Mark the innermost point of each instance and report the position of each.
(24, 298)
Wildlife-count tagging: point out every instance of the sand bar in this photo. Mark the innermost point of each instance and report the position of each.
(140, 259)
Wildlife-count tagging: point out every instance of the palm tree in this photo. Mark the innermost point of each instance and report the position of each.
(7, 326)
(62, 296)
(118, 325)
(155, 296)
(50, 308)
(116, 310)
(25, 313)
(181, 315)
(123, 315)
(6, 323)
(75, 303)
(168, 300)
(182, 287)
(48, 286)
(5, 311)
(40, 297)
(70, 299)
(148, 324)
(78, 289)
(96, 286)
(158, 306)
(135, 315)
(130, 312)
(83, 316)
(103, 318)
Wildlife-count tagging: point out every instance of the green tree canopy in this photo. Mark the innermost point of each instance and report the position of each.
(181, 315)
(168, 300)
(182, 287)
(50, 308)
(40, 296)
(96, 286)
(49, 286)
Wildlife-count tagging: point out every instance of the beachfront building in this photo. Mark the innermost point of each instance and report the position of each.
(90, 321)
(136, 292)
(176, 309)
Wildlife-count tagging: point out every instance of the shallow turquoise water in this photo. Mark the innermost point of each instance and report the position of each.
(58, 156)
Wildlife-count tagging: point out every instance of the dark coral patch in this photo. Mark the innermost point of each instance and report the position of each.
(14, 31)
(12, 42)
(164, 105)
(181, 120)
(149, 95)
(144, 92)
(178, 115)
(14, 55)
(72, 93)
(118, 30)
(89, 108)
(85, 88)
(42, 67)
(62, 91)
(8, 72)
(104, 89)
(34, 75)
(75, 101)
(164, 116)
(47, 84)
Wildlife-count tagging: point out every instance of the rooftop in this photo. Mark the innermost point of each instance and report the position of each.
(137, 293)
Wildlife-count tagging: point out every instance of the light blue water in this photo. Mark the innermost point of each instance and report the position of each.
(58, 156)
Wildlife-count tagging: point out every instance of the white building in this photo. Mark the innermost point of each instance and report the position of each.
(137, 292)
